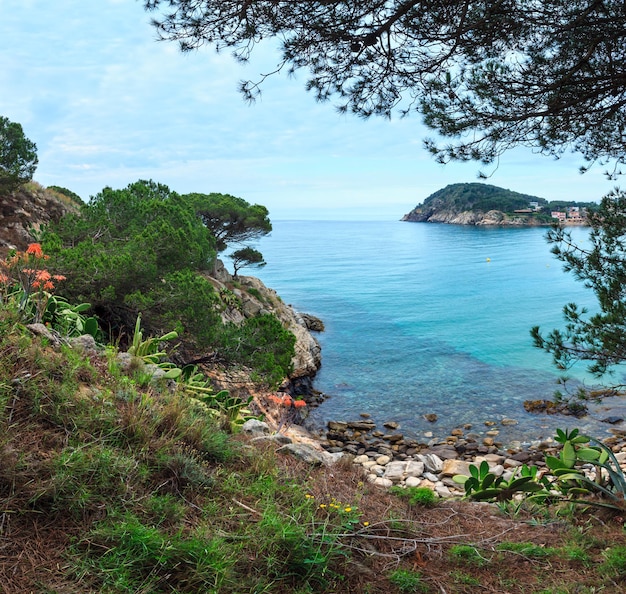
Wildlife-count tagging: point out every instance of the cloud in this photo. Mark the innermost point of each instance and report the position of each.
(107, 105)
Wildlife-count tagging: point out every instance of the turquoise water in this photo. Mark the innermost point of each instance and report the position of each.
(424, 318)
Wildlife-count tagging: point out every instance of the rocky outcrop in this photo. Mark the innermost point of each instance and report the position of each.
(25, 211)
(432, 214)
(248, 297)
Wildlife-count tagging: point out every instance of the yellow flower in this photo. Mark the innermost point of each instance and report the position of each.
(308, 496)
(366, 523)
(347, 509)
(322, 506)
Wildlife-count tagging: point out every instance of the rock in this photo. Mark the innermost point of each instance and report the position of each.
(310, 454)
(364, 425)
(361, 459)
(383, 460)
(255, 427)
(431, 417)
(42, 330)
(456, 432)
(377, 469)
(612, 420)
(394, 471)
(312, 323)
(454, 467)
(337, 426)
(414, 468)
(443, 491)
(508, 422)
(391, 425)
(380, 481)
(85, 343)
(413, 481)
(445, 453)
(276, 438)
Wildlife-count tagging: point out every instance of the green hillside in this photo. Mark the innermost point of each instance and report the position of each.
(482, 197)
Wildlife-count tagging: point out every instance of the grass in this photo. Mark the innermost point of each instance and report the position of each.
(109, 484)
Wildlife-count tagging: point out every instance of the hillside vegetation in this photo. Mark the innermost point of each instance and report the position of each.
(121, 472)
(481, 198)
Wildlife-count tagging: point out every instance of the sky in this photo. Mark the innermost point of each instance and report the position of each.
(107, 104)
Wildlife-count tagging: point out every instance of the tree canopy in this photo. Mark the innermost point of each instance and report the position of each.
(491, 75)
(231, 219)
(601, 265)
(18, 156)
(246, 256)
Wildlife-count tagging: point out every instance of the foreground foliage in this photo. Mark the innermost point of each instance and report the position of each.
(114, 481)
(601, 265)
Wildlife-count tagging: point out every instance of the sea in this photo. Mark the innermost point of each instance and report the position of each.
(425, 319)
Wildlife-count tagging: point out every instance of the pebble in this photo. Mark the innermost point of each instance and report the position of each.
(391, 459)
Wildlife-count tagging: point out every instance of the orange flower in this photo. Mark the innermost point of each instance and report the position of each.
(36, 284)
(4, 278)
(43, 275)
(287, 400)
(59, 277)
(35, 250)
(299, 403)
(48, 286)
(274, 399)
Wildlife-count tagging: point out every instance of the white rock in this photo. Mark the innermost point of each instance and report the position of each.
(394, 471)
(443, 491)
(413, 481)
(432, 462)
(430, 476)
(361, 459)
(498, 470)
(383, 482)
(383, 460)
(377, 469)
(414, 468)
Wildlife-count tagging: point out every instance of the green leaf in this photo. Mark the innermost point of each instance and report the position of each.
(568, 454)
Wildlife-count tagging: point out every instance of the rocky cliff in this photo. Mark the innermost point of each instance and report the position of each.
(23, 212)
(432, 214)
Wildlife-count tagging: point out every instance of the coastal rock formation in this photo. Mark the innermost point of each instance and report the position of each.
(485, 205)
(25, 211)
(251, 298)
(432, 214)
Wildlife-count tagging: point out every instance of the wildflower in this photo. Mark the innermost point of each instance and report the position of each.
(274, 399)
(287, 400)
(347, 509)
(59, 277)
(323, 506)
(35, 250)
(366, 523)
(299, 403)
(48, 286)
(4, 278)
(309, 496)
(43, 275)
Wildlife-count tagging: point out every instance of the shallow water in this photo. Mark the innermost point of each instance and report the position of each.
(425, 318)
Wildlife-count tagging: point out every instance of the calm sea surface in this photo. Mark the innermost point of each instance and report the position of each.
(425, 318)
